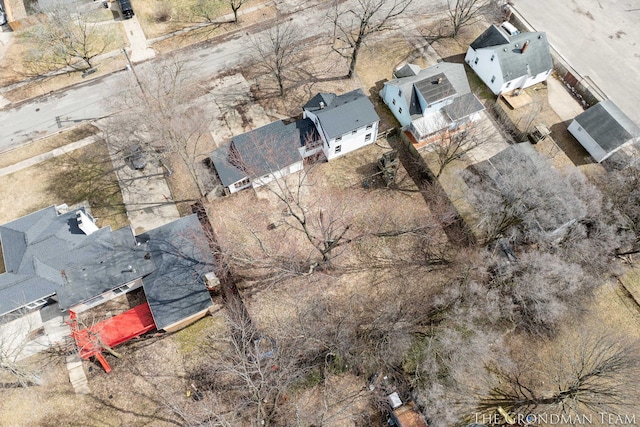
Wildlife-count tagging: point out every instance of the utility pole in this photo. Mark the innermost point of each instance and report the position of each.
(135, 75)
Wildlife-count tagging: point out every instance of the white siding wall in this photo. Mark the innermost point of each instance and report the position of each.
(237, 186)
(486, 69)
(587, 141)
(265, 179)
(391, 92)
(351, 141)
(521, 82)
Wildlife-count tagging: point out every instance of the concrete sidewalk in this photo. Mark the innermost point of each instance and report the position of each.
(48, 155)
(140, 50)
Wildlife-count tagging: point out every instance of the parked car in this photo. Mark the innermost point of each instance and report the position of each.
(127, 10)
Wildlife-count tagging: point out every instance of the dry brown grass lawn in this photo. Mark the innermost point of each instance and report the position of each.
(45, 145)
(49, 183)
(13, 69)
(195, 30)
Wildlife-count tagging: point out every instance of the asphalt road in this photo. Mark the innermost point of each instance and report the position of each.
(599, 38)
(47, 114)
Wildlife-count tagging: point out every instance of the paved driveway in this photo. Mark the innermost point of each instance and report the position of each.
(599, 38)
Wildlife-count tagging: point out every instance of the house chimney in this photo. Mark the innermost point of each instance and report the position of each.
(439, 80)
(321, 105)
(525, 46)
(85, 223)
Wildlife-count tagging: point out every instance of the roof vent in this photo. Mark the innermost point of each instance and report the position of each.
(321, 105)
(439, 80)
(505, 49)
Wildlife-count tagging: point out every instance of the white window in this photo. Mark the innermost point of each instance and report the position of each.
(353, 132)
(400, 110)
(508, 84)
(339, 139)
(399, 92)
(493, 79)
(492, 56)
(476, 61)
(369, 127)
(338, 148)
(368, 137)
(393, 102)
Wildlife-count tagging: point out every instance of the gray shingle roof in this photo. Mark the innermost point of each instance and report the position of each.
(608, 125)
(344, 113)
(514, 63)
(463, 106)
(49, 254)
(454, 73)
(176, 289)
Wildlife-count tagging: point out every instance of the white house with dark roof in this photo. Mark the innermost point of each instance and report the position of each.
(432, 99)
(506, 62)
(604, 129)
(343, 122)
(270, 152)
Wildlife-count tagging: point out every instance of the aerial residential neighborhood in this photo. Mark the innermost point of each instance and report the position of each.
(350, 213)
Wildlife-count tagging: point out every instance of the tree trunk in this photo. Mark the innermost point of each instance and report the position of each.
(354, 58)
(235, 14)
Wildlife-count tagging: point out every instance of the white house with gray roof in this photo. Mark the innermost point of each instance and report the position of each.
(343, 122)
(506, 62)
(429, 100)
(604, 129)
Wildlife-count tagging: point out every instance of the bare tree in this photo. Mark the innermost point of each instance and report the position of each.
(460, 13)
(159, 113)
(278, 50)
(16, 343)
(596, 374)
(235, 6)
(65, 38)
(353, 26)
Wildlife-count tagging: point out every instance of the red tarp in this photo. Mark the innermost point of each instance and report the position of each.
(113, 331)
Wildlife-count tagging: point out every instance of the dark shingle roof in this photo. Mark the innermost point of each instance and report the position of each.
(176, 289)
(344, 113)
(227, 171)
(492, 36)
(435, 88)
(261, 151)
(608, 125)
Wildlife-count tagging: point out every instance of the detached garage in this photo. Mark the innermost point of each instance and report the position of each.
(604, 129)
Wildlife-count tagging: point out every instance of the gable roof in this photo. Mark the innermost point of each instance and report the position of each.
(454, 83)
(513, 61)
(46, 253)
(492, 36)
(261, 151)
(343, 113)
(407, 70)
(176, 290)
(608, 125)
